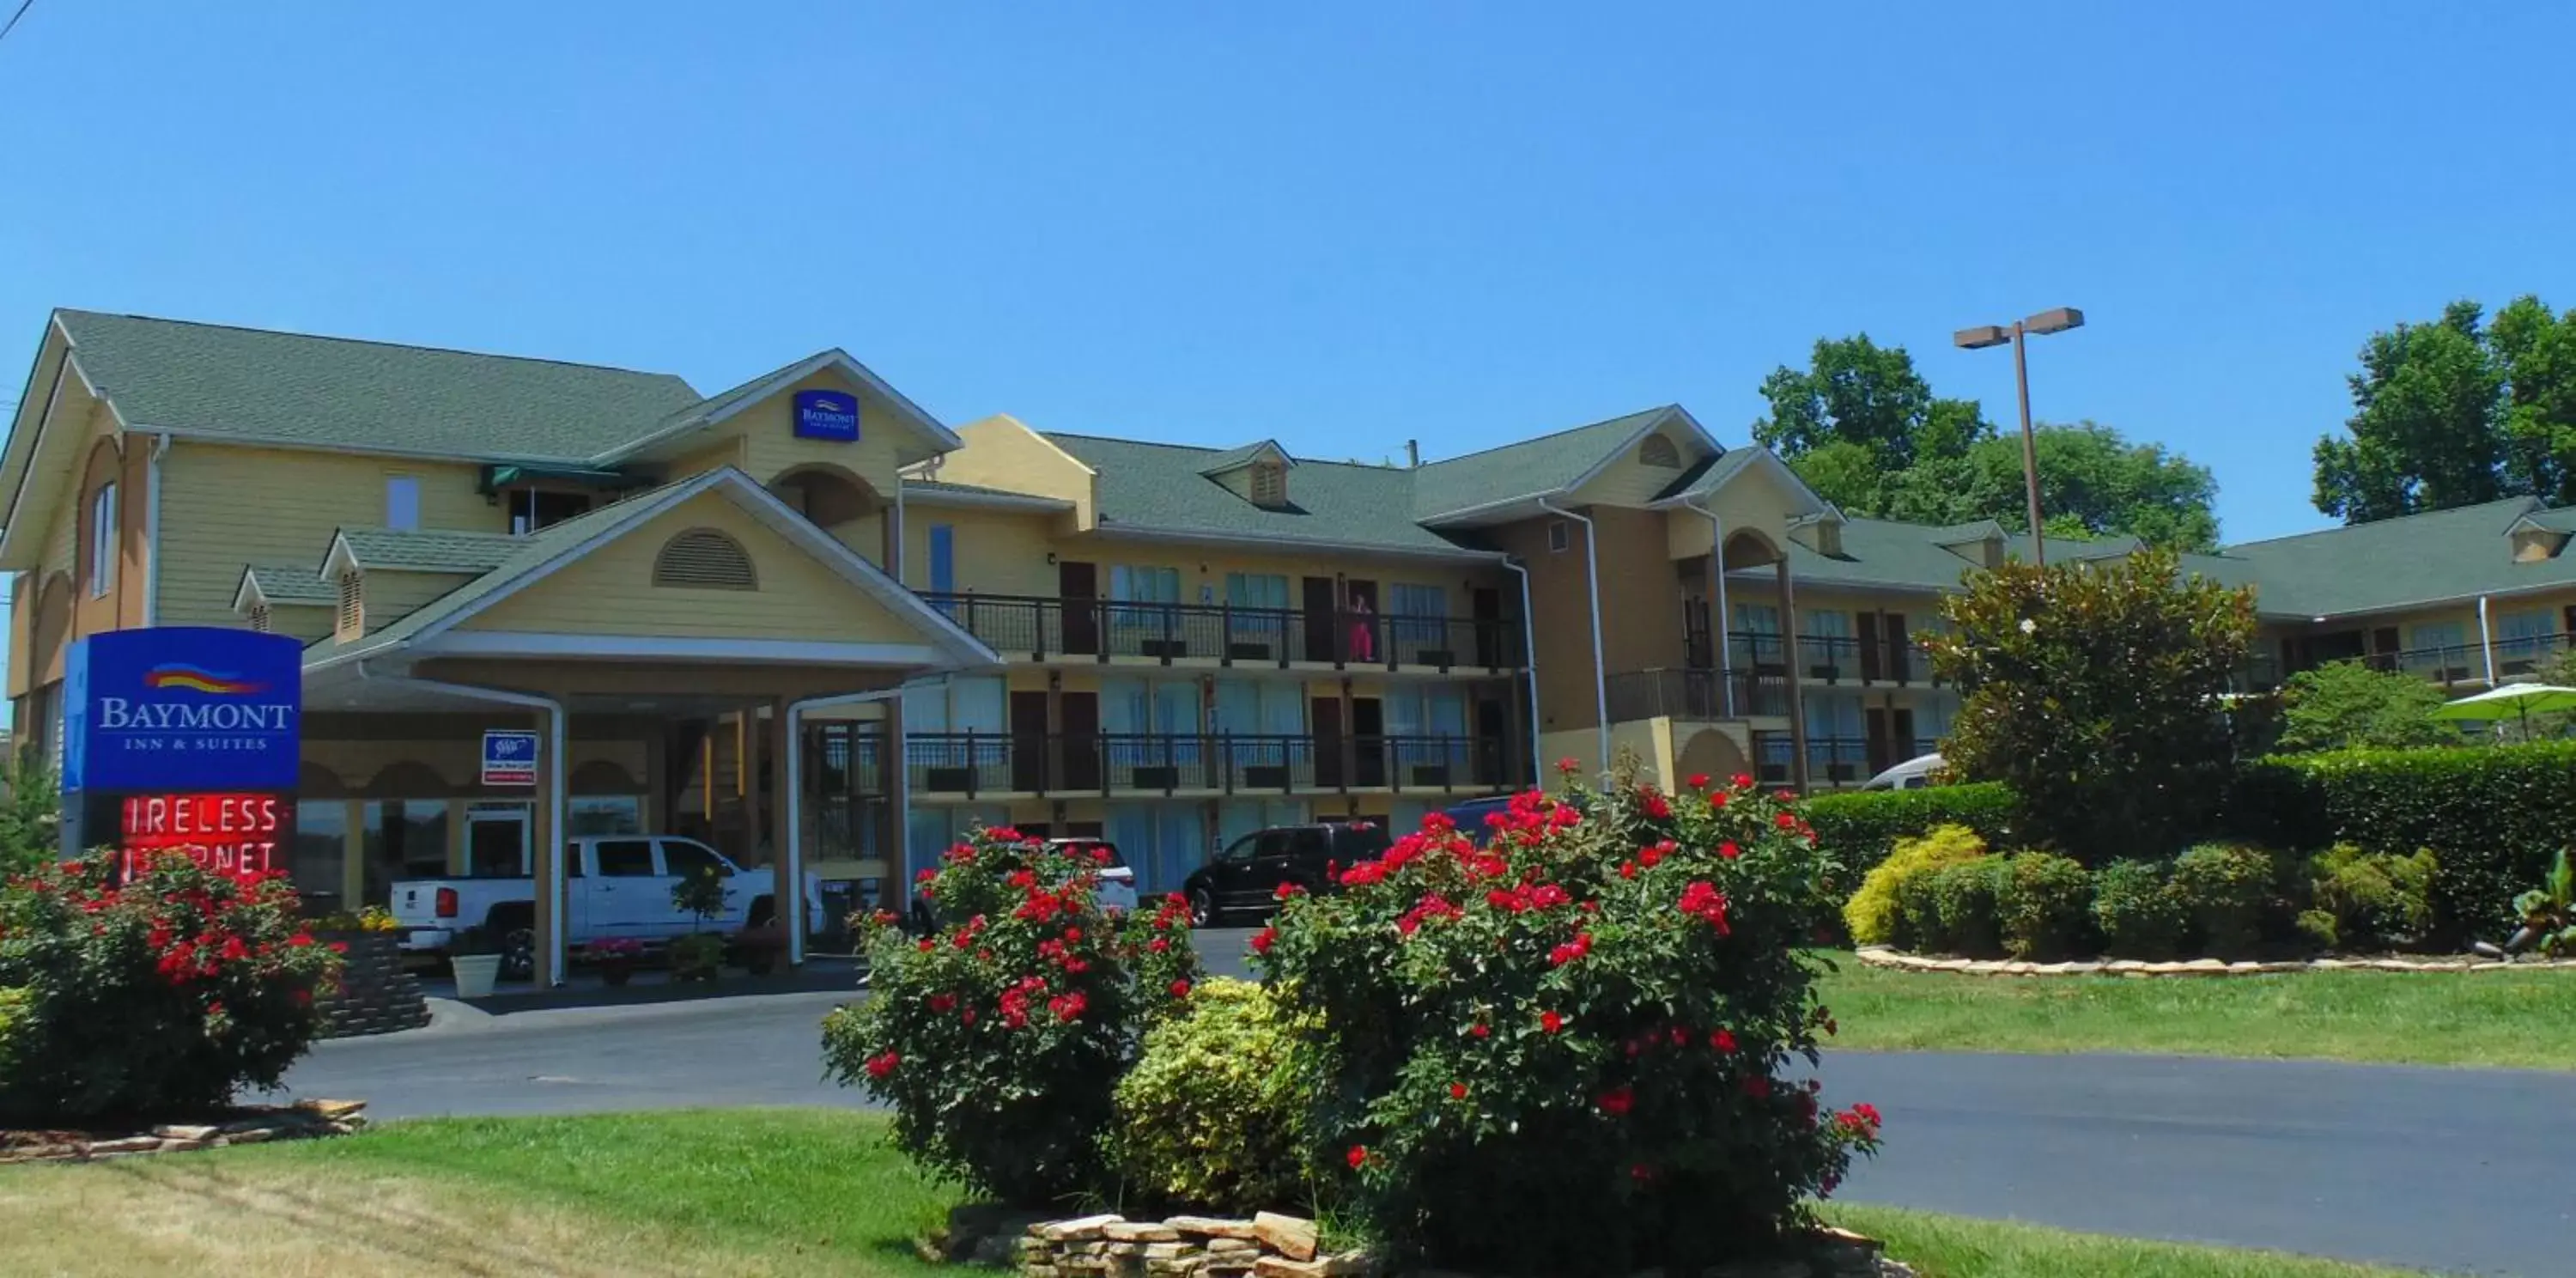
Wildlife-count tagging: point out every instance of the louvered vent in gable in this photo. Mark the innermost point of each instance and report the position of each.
(259, 619)
(353, 611)
(704, 559)
(1660, 452)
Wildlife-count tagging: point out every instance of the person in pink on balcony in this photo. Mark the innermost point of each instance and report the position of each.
(1363, 630)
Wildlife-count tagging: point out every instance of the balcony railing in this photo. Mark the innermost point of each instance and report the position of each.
(1831, 761)
(2447, 664)
(1695, 694)
(1892, 659)
(1047, 628)
(973, 764)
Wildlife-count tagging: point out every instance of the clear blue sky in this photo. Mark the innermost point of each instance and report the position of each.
(1341, 225)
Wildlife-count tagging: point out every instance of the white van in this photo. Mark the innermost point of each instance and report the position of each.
(1913, 774)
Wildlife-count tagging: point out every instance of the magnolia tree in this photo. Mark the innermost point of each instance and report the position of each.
(1563, 1045)
(2096, 691)
(999, 1038)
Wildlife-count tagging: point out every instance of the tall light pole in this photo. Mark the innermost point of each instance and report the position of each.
(1976, 339)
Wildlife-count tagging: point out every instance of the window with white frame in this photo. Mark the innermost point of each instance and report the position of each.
(1560, 537)
(102, 541)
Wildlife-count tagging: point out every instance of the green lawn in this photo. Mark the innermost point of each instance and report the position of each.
(731, 1192)
(2520, 1019)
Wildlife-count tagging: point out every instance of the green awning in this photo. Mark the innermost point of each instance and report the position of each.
(496, 478)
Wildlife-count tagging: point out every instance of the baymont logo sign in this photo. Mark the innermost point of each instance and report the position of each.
(182, 709)
(116, 714)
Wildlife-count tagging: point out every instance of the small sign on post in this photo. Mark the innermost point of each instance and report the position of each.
(509, 757)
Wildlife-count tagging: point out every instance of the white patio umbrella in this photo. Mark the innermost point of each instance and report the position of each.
(2515, 699)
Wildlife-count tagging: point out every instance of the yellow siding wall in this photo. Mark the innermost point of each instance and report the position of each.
(1755, 499)
(610, 591)
(724, 452)
(307, 624)
(770, 446)
(223, 507)
(998, 552)
(1626, 482)
(1003, 453)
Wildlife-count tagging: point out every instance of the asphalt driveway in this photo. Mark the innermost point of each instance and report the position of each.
(2453, 1170)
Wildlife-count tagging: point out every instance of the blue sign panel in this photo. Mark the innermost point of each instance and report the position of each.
(832, 415)
(182, 708)
(509, 757)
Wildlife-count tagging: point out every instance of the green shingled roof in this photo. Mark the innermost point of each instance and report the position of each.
(329, 392)
(1236, 458)
(1530, 468)
(517, 555)
(1161, 487)
(431, 550)
(937, 486)
(1708, 472)
(292, 584)
(2394, 563)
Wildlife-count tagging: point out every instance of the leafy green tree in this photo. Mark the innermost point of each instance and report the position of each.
(2455, 412)
(2092, 690)
(1867, 433)
(2345, 703)
(30, 815)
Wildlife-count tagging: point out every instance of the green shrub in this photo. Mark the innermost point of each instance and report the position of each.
(1860, 827)
(160, 998)
(2042, 900)
(2137, 912)
(2225, 889)
(1568, 1052)
(13, 1012)
(2493, 817)
(2367, 900)
(1209, 1117)
(998, 1039)
(1874, 913)
(1954, 909)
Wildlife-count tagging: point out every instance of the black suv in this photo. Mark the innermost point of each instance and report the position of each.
(1245, 878)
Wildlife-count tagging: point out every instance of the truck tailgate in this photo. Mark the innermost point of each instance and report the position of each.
(416, 904)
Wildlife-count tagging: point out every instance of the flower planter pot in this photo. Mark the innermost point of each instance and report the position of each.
(475, 974)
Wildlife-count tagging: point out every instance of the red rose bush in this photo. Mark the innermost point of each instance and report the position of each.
(999, 1038)
(158, 998)
(1563, 1045)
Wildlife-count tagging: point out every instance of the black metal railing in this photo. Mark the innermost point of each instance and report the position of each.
(1831, 761)
(1695, 694)
(1047, 628)
(1891, 659)
(973, 764)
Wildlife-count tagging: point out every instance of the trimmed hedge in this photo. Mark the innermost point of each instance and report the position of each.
(1859, 827)
(2493, 816)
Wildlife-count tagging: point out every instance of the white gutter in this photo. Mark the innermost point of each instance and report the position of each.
(791, 863)
(1717, 563)
(1529, 664)
(558, 954)
(2486, 639)
(152, 531)
(1592, 588)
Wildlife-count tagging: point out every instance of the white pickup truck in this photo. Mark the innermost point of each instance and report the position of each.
(616, 885)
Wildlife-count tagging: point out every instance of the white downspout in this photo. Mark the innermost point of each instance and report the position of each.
(791, 867)
(152, 531)
(1529, 665)
(1592, 589)
(559, 952)
(1717, 562)
(2486, 639)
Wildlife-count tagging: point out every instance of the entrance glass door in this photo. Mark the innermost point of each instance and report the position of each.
(496, 838)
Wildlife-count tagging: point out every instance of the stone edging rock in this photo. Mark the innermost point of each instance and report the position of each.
(1266, 1246)
(305, 1120)
(1882, 956)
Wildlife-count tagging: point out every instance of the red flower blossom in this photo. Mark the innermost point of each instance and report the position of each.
(1728, 851)
(1568, 765)
(1358, 1156)
(1742, 781)
(1697, 781)
(941, 1003)
(300, 940)
(1722, 1040)
(1264, 939)
(1640, 1173)
(1068, 1007)
(1657, 809)
(1627, 869)
(925, 945)
(1161, 943)
(1679, 1036)
(1457, 1091)
(883, 1064)
(1180, 989)
(1571, 950)
(1786, 821)
(1652, 856)
(1702, 900)
(1617, 1101)
(1480, 1030)
(1022, 879)
(1551, 1022)
(1363, 874)
(1757, 1086)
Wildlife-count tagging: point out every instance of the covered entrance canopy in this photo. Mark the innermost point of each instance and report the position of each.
(675, 639)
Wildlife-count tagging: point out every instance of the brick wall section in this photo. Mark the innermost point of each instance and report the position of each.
(376, 995)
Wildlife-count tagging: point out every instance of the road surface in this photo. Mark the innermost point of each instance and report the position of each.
(2461, 1171)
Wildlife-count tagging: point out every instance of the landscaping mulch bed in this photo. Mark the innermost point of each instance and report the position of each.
(1881, 956)
(247, 1125)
